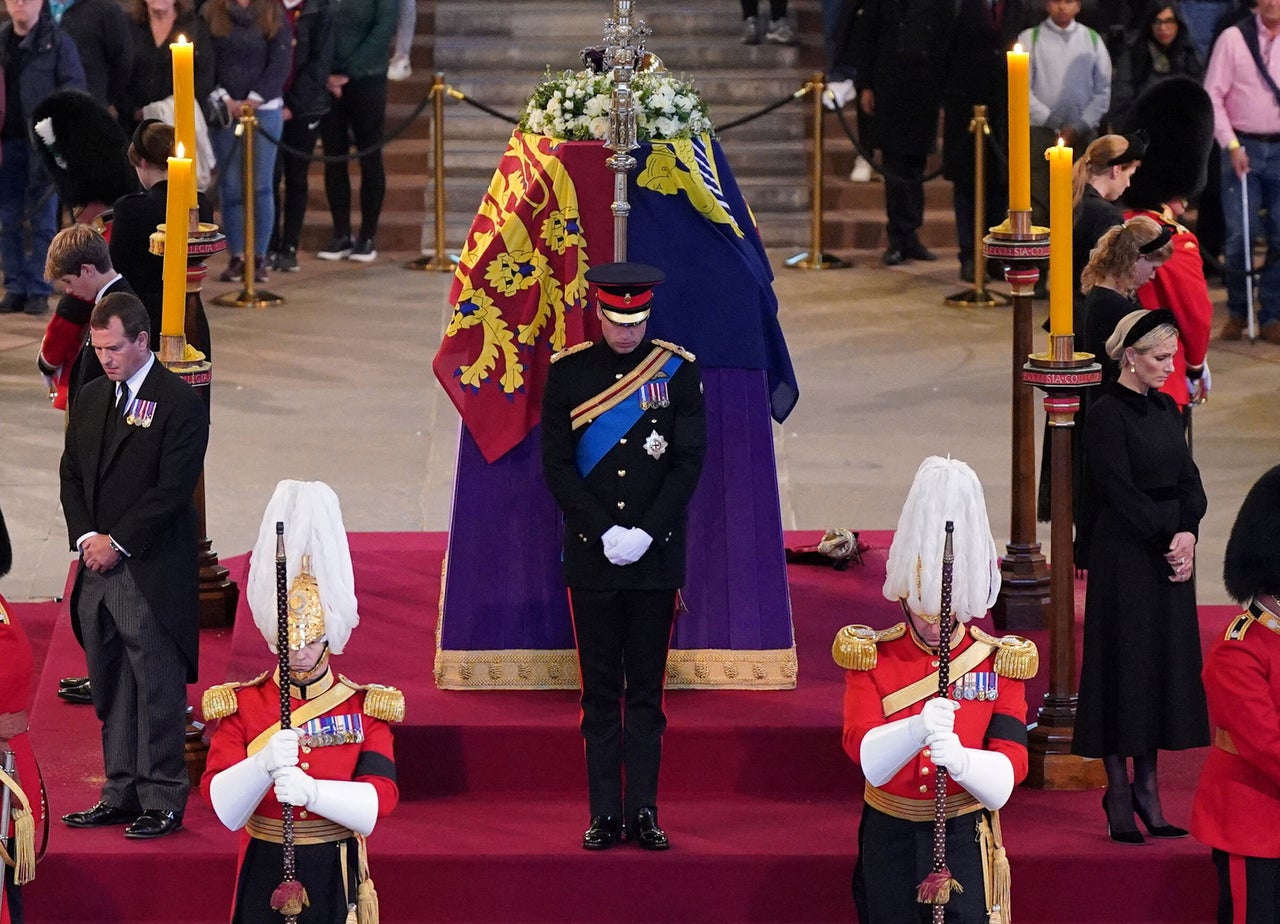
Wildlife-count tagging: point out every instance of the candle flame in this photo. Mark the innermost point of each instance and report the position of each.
(1017, 48)
(178, 151)
(1061, 143)
(182, 40)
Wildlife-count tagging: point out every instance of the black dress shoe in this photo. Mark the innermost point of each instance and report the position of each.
(1161, 831)
(154, 823)
(100, 816)
(603, 833)
(914, 250)
(644, 830)
(68, 682)
(1122, 836)
(81, 696)
(892, 257)
(966, 270)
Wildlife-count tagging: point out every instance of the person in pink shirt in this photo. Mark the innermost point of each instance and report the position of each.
(1243, 82)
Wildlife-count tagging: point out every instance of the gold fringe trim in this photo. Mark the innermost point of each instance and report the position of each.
(220, 701)
(367, 911)
(1016, 658)
(855, 646)
(732, 669)
(23, 860)
(380, 701)
(995, 871)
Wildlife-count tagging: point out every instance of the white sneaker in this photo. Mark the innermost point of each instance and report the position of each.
(861, 170)
(751, 31)
(399, 68)
(780, 33)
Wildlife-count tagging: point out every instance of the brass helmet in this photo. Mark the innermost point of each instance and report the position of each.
(321, 583)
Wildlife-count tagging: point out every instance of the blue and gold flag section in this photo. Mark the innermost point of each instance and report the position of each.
(518, 297)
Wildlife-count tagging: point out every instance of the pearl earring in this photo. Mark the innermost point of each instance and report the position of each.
(1132, 367)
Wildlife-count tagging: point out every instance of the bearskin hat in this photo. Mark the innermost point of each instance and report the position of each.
(1178, 117)
(1251, 564)
(83, 148)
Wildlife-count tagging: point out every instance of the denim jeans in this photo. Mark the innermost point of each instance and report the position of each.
(1202, 18)
(28, 219)
(230, 154)
(1263, 185)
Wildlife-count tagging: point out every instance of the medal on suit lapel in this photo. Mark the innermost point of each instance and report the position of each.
(140, 413)
(654, 394)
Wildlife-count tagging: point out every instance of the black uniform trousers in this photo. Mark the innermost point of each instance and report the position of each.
(894, 856)
(622, 638)
(903, 196)
(1259, 893)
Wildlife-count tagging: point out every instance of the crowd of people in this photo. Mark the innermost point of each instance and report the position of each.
(306, 69)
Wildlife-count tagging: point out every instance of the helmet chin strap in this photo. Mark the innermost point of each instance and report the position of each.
(301, 678)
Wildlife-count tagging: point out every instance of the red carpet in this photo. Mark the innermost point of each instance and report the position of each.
(761, 803)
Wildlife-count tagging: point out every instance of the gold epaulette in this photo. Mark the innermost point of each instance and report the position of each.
(569, 351)
(677, 349)
(4, 616)
(220, 701)
(1016, 657)
(380, 702)
(855, 646)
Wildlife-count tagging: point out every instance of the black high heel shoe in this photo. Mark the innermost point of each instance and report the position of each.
(1133, 837)
(1162, 831)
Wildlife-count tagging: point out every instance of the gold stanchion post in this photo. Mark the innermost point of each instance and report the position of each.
(1061, 374)
(814, 258)
(440, 261)
(978, 296)
(248, 297)
(1024, 591)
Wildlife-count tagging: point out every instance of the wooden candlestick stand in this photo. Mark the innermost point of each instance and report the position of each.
(1061, 374)
(1024, 589)
(219, 594)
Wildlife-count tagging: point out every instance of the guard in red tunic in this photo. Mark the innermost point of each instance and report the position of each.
(1237, 804)
(899, 731)
(335, 763)
(19, 787)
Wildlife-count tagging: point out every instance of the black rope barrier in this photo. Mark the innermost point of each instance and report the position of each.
(463, 98)
(867, 156)
(752, 116)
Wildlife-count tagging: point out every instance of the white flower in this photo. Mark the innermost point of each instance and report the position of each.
(576, 106)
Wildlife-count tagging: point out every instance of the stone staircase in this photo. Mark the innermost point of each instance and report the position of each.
(494, 51)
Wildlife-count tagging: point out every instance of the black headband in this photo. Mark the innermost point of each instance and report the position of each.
(1134, 150)
(1164, 237)
(1149, 322)
(136, 141)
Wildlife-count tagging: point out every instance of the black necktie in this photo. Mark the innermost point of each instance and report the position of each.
(122, 410)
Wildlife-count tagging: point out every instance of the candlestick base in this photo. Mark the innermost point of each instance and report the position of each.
(429, 263)
(248, 297)
(822, 262)
(976, 298)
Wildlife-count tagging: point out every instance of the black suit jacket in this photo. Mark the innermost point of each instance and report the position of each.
(630, 486)
(139, 489)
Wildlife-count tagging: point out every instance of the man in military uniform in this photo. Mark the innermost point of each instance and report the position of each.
(335, 763)
(1237, 804)
(901, 732)
(623, 436)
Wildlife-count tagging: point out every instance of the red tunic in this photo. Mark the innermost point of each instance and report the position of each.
(258, 709)
(1180, 286)
(15, 698)
(63, 338)
(901, 662)
(1237, 804)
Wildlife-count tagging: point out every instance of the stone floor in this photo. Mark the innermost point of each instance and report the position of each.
(336, 384)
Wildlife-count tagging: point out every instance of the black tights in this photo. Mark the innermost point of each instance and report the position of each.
(1121, 795)
(777, 8)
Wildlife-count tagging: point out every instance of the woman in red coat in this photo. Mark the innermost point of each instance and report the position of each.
(1237, 804)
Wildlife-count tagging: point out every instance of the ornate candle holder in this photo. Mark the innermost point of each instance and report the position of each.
(1061, 374)
(186, 355)
(1024, 589)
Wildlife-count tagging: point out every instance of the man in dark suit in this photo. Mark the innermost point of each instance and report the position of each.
(134, 452)
(623, 436)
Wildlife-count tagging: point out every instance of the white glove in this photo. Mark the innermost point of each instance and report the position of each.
(1198, 389)
(281, 750)
(351, 804)
(236, 791)
(838, 94)
(631, 547)
(938, 715)
(987, 775)
(294, 787)
(611, 537)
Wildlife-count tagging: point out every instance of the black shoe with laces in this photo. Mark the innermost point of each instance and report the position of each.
(364, 251)
(287, 260)
(337, 249)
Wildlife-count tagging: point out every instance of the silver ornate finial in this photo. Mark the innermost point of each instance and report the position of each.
(624, 47)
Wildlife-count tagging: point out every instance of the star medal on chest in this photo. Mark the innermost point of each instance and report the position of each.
(140, 413)
(655, 444)
(328, 730)
(976, 685)
(654, 394)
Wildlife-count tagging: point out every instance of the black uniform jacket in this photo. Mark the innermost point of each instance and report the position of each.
(645, 480)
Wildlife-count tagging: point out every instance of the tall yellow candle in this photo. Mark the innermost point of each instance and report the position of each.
(1019, 66)
(173, 303)
(1061, 285)
(184, 99)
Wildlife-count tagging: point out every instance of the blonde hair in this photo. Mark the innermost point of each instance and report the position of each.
(1095, 161)
(1155, 336)
(1116, 254)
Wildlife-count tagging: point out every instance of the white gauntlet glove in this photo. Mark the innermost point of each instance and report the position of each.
(354, 805)
(886, 750)
(987, 775)
(236, 791)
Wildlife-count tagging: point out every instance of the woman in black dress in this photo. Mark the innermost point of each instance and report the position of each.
(1140, 689)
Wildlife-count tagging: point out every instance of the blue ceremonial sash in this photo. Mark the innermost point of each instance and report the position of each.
(603, 433)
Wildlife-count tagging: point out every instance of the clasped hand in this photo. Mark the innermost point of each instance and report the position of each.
(623, 546)
(1181, 556)
(279, 759)
(99, 554)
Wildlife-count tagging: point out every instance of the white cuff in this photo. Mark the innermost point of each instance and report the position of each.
(236, 792)
(989, 778)
(886, 750)
(353, 805)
